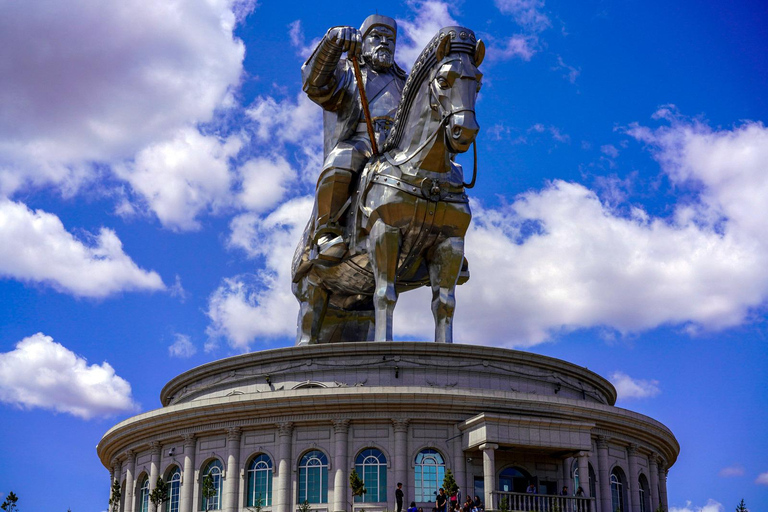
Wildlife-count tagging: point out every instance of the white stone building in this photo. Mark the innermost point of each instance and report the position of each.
(280, 427)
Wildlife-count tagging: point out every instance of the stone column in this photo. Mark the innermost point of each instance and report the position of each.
(604, 476)
(130, 469)
(341, 434)
(231, 481)
(154, 469)
(283, 501)
(460, 473)
(567, 475)
(489, 474)
(400, 426)
(116, 473)
(663, 472)
(186, 501)
(633, 486)
(654, 481)
(583, 474)
(583, 461)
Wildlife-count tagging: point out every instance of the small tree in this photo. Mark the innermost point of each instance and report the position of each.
(304, 507)
(660, 508)
(504, 504)
(357, 484)
(115, 495)
(449, 483)
(209, 490)
(159, 494)
(9, 505)
(258, 504)
(742, 507)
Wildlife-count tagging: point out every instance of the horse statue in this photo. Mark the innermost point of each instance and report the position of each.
(409, 212)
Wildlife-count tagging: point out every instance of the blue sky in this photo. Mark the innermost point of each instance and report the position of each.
(157, 161)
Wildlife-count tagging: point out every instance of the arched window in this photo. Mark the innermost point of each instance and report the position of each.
(260, 481)
(429, 474)
(617, 490)
(514, 479)
(371, 465)
(214, 469)
(143, 504)
(313, 478)
(645, 495)
(577, 482)
(174, 489)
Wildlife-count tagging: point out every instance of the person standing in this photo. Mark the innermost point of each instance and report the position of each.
(441, 501)
(399, 497)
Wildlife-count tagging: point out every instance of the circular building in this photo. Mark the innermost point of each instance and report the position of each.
(282, 430)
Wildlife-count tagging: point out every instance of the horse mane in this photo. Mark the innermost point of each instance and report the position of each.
(462, 40)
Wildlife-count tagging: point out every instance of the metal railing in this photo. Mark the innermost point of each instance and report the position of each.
(524, 502)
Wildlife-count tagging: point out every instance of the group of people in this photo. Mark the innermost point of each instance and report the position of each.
(443, 502)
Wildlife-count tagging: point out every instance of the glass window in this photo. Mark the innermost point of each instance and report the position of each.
(429, 474)
(313, 478)
(144, 495)
(260, 481)
(214, 468)
(645, 496)
(617, 491)
(174, 489)
(371, 465)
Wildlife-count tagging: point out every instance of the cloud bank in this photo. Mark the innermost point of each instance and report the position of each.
(40, 373)
(35, 247)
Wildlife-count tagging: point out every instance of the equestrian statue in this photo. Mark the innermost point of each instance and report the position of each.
(391, 209)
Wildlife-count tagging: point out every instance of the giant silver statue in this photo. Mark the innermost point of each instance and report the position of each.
(391, 220)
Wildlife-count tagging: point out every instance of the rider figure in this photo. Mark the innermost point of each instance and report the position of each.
(330, 82)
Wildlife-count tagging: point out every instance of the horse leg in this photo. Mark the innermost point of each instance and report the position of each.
(383, 250)
(313, 302)
(444, 267)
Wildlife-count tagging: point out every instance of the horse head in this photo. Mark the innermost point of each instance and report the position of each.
(454, 84)
(439, 95)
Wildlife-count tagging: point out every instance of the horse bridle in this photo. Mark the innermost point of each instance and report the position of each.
(440, 126)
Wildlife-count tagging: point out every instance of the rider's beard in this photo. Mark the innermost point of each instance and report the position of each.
(381, 58)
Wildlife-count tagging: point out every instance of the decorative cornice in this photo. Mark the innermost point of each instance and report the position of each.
(602, 442)
(285, 428)
(340, 426)
(400, 424)
(154, 448)
(189, 440)
(632, 449)
(234, 434)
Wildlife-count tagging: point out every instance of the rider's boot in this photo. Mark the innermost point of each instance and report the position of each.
(332, 194)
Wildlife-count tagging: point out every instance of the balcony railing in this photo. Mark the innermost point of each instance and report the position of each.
(524, 502)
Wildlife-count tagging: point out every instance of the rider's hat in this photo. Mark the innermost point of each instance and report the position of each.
(376, 20)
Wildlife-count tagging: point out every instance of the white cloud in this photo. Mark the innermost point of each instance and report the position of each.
(571, 73)
(101, 80)
(762, 479)
(296, 33)
(183, 177)
(35, 246)
(414, 34)
(182, 347)
(519, 45)
(265, 182)
(526, 13)
(731, 471)
(711, 506)
(627, 387)
(40, 373)
(568, 260)
(244, 308)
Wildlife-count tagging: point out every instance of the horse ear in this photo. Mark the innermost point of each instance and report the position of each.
(444, 47)
(479, 52)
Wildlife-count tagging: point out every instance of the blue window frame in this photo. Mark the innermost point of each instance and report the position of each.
(214, 468)
(313, 478)
(371, 465)
(144, 494)
(260, 481)
(174, 489)
(429, 474)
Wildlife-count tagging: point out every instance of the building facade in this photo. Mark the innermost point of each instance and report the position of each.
(280, 428)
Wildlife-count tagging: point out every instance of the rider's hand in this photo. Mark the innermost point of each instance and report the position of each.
(349, 38)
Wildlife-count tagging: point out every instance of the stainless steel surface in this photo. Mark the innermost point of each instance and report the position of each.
(404, 226)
